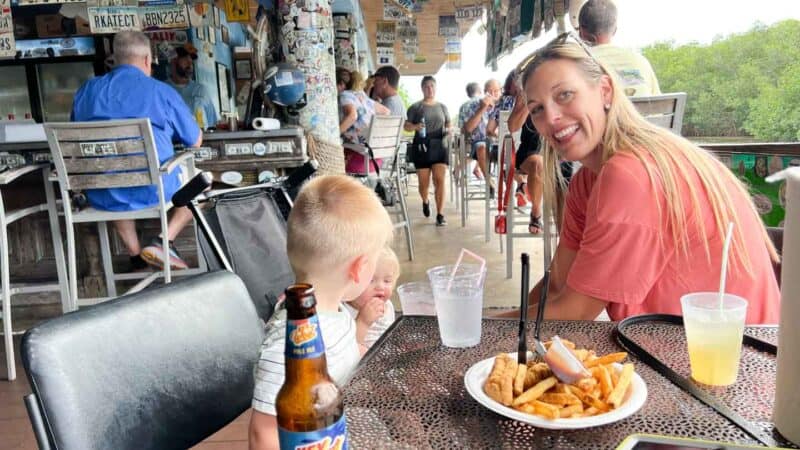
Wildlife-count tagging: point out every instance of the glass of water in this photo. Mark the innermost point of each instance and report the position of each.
(458, 297)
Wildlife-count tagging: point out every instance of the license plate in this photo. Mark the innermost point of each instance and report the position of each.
(163, 17)
(238, 149)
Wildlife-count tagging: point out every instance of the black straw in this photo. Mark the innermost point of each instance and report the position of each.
(522, 349)
(540, 308)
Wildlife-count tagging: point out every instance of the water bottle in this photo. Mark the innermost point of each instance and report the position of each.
(422, 132)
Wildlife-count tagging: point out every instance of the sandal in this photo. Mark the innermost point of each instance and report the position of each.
(535, 226)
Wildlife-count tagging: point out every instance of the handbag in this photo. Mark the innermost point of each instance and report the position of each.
(504, 189)
(385, 190)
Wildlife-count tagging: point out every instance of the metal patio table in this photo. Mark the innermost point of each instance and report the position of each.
(408, 391)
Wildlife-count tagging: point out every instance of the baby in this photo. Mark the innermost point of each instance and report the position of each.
(373, 310)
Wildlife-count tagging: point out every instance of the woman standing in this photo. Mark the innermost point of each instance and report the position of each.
(430, 121)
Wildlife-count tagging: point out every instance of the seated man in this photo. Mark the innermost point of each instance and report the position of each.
(480, 122)
(129, 92)
(195, 95)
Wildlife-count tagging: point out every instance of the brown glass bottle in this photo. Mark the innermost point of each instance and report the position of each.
(309, 404)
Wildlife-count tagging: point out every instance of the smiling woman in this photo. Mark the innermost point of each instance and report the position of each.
(646, 204)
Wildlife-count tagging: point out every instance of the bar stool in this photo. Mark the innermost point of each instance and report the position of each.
(7, 218)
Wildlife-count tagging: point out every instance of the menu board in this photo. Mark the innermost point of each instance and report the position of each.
(7, 46)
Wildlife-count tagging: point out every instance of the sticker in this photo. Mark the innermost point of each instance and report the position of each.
(385, 32)
(163, 17)
(98, 148)
(7, 44)
(448, 27)
(385, 56)
(283, 78)
(237, 10)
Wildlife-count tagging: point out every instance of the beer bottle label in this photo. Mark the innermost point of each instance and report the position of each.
(303, 339)
(333, 437)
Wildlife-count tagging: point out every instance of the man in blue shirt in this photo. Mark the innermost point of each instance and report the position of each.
(129, 92)
(195, 95)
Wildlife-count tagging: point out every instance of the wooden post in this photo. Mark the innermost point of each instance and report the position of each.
(306, 35)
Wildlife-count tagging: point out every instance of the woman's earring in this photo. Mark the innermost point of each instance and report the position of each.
(607, 106)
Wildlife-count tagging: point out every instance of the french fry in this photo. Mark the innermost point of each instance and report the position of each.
(590, 411)
(606, 359)
(546, 410)
(561, 388)
(615, 398)
(603, 375)
(587, 384)
(570, 411)
(559, 399)
(519, 379)
(507, 382)
(588, 399)
(536, 391)
(614, 375)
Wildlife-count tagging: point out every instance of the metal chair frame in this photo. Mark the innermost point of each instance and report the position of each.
(8, 289)
(105, 154)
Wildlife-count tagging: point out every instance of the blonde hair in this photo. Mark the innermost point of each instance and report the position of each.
(334, 219)
(627, 131)
(356, 80)
(388, 256)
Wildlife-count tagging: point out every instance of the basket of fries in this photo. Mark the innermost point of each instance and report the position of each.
(532, 394)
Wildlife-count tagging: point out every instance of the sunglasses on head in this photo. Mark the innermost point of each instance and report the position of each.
(558, 40)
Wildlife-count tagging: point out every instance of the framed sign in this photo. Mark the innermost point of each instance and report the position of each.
(237, 10)
(223, 85)
(243, 69)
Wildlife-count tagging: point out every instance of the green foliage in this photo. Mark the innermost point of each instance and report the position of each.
(741, 85)
(403, 93)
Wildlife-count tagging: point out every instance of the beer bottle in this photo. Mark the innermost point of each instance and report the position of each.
(309, 405)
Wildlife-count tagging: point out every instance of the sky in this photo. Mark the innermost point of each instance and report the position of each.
(640, 23)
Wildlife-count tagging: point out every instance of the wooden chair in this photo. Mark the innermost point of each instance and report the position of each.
(110, 154)
(665, 110)
(383, 138)
(8, 289)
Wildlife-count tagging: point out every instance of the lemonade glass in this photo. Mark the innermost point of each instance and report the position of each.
(714, 335)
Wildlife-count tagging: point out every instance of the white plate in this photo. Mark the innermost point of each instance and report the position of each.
(633, 400)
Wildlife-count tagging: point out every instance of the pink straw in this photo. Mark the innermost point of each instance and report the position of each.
(458, 263)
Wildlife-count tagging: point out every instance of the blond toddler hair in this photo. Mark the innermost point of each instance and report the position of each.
(334, 219)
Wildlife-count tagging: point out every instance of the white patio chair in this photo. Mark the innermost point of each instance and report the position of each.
(665, 110)
(8, 289)
(383, 138)
(109, 154)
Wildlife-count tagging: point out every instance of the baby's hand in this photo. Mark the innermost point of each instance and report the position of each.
(371, 311)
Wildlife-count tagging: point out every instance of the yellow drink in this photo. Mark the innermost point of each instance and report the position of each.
(714, 331)
(714, 351)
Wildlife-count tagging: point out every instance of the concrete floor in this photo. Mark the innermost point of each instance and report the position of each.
(441, 245)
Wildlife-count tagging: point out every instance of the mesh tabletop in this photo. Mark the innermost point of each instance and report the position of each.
(409, 391)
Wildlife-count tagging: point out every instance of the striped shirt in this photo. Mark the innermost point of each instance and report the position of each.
(341, 351)
(378, 327)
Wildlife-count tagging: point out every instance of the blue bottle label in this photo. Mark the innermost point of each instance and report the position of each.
(333, 437)
(303, 339)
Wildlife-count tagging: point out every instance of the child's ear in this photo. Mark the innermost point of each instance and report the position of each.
(356, 267)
